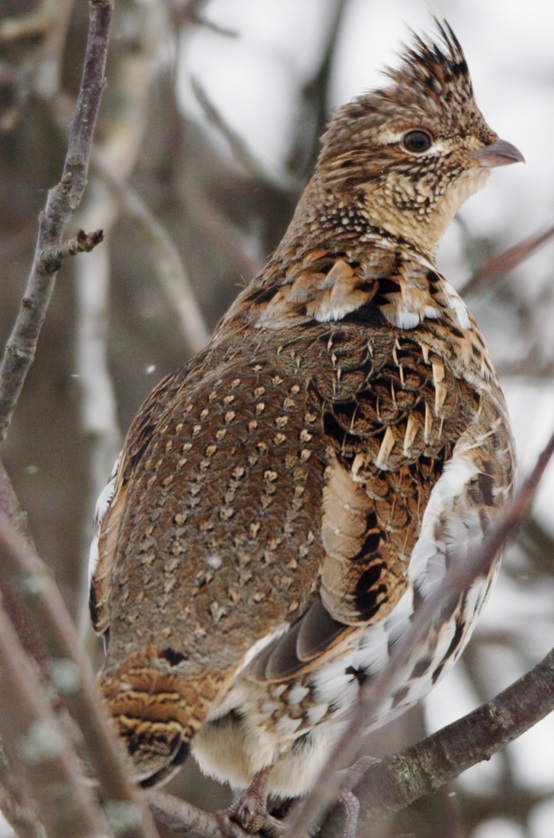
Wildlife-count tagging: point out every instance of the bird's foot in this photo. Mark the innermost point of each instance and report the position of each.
(250, 810)
(351, 804)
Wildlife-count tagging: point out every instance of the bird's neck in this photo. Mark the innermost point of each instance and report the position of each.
(421, 229)
(359, 218)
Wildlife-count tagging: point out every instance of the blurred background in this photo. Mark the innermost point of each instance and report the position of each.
(208, 131)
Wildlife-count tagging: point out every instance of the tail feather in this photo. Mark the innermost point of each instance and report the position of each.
(156, 711)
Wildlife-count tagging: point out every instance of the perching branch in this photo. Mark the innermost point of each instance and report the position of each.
(458, 578)
(393, 783)
(183, 818)
(396, 781)
(61, 203)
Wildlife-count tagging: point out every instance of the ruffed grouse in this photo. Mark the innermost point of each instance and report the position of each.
(286, 501)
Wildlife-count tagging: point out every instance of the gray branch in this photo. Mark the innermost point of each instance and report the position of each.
(61, 203)
(506, 261)
(394, 782)
(22, 571)
(44, 751)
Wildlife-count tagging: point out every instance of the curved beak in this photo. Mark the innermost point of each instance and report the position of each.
(500, 153)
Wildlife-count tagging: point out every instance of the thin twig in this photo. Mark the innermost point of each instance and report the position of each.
(62, 201)
(394, 782)
(23, 572)
(504, 262)
(282, 182)
(65, 804)
(166, 259)
(313, 109)
(53, 256)
(224, 31)
(457, 579)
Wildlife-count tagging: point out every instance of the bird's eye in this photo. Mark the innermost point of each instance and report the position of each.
(416, 141)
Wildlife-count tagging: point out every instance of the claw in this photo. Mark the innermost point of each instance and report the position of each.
(250, 810)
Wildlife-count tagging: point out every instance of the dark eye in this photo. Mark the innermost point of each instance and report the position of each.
(417, 141)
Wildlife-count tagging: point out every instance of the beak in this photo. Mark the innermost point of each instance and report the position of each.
(500, 153)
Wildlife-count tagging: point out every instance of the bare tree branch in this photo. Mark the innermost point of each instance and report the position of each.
(281, 182)
(24, 572)
(165, 258)
(62, 201)
(53, 256)
(396, 781)
(504, 262)
(65, 804)
(458, 578)
(183, 818)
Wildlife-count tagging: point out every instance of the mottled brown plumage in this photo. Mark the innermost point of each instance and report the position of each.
(286, 501)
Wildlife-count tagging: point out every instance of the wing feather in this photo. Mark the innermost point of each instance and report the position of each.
(111, 503)
(391, 423)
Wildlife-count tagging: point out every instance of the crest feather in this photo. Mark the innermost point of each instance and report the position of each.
(433, 66)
